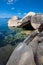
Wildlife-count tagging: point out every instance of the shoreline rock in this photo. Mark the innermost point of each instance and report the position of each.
(16, 22)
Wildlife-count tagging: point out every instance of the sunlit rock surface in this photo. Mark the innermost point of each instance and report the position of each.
(16, 22)
(31, 53)
(39, 53)
(33, 18)
(37, 20)
(27, 17)
(22, 55)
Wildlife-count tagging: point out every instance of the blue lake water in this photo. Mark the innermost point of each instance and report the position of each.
(4, 26)
(4, 30)
(7, 35)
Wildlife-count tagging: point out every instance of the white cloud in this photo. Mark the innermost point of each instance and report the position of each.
(11, 1)
(12, 8)
(25, 13)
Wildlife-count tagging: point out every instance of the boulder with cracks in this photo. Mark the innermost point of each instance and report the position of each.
(29, 52)
(24, 53)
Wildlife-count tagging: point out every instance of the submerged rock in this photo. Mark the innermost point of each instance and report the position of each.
(5, 53)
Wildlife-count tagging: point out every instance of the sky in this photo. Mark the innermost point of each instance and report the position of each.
(9, 8)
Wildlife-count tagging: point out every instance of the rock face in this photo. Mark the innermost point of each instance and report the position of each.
(15, 22)
(36, 20)
(30, 51)
(15, 17)
(28, 54)
(39, 53)
(27, 17)
(22, 55)
(33, 18)
(40, 29)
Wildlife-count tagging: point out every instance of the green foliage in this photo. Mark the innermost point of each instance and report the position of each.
(14, 38)
(20, 36)
(9, 42)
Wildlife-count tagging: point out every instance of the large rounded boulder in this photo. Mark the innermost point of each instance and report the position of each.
(27, 17)
(36, 21)
(22, 55)
(39, 54)
(14, 21)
